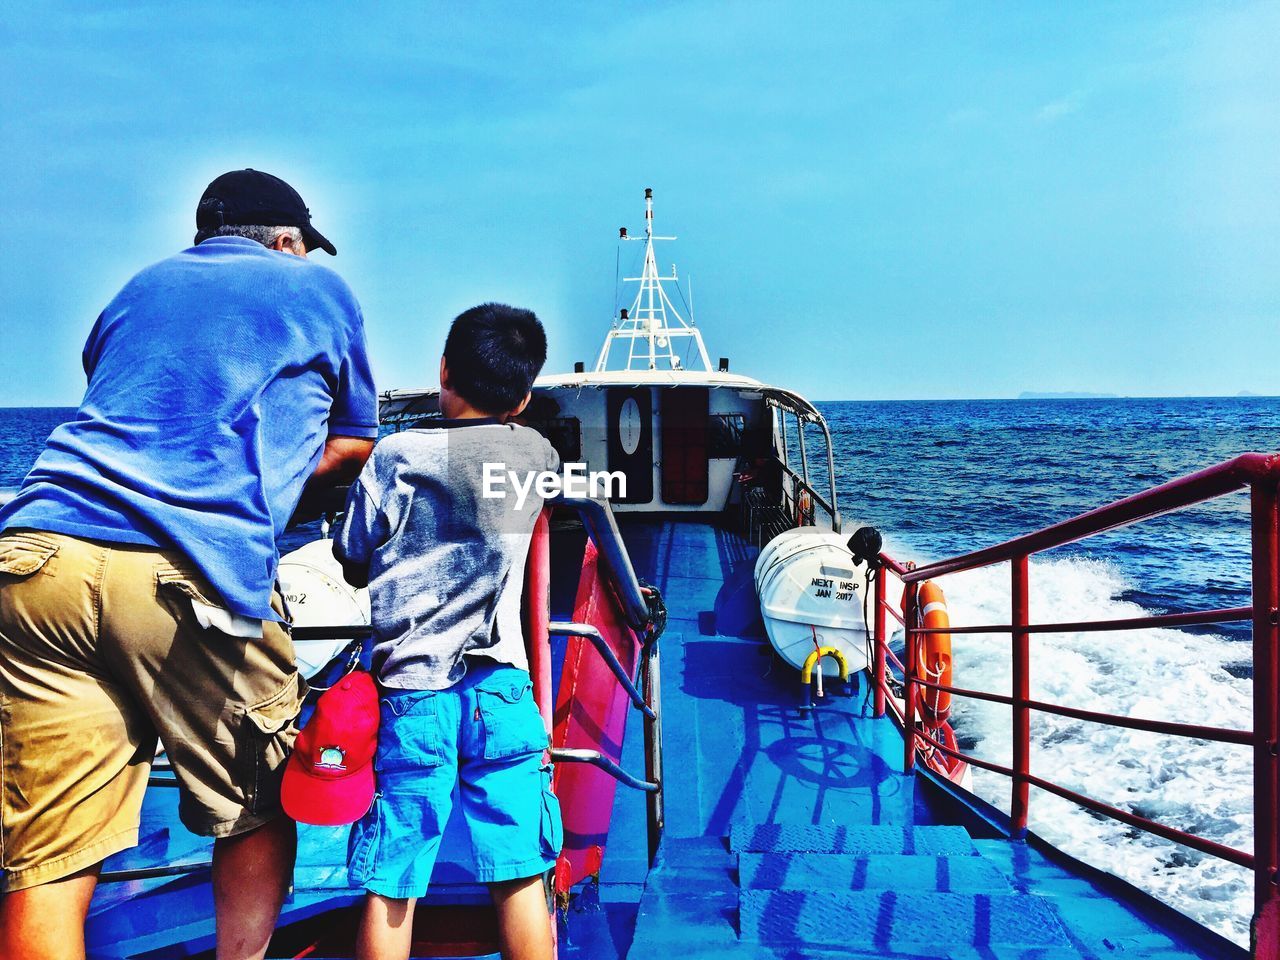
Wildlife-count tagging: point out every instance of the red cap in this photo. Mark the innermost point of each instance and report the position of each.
(329, 778)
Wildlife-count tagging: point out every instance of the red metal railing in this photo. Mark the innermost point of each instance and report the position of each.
(1261, 475)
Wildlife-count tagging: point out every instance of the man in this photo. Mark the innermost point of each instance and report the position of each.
(138, 561)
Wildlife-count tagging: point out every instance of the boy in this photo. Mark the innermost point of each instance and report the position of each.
(445, 569)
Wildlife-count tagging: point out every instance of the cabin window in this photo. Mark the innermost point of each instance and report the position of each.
(564, 434)
(727, 431)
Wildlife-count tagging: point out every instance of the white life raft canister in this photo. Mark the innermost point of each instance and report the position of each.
(810, 589)
(318, 596)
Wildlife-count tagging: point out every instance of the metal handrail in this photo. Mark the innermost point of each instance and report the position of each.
(802, 416)
(591, 634)
(602, 527)
(831, 474)
(804, 484)
(1192, 730)
(655, 800)
(639, 614)
(597, 759)
(1260, 473)
(1208, 484)
(1196, 618)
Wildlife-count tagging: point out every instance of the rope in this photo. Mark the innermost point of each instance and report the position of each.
(918, 623)
(934, 675)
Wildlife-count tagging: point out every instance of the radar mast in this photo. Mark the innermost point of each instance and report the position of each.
(652, 325)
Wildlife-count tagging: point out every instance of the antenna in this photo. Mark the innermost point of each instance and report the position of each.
(652, 324)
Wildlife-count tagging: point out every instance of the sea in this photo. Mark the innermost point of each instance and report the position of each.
(940, 478)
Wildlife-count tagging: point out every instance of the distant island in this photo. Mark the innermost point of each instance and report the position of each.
(1070, 395)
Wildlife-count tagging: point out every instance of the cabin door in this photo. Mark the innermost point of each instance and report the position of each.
(630, 440)
(684, 429)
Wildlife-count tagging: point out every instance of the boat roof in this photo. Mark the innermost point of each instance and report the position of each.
(399, 403)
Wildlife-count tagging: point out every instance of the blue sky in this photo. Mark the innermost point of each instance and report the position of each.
(874, 200)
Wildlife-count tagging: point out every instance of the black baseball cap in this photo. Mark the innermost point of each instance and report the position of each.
(253, 198)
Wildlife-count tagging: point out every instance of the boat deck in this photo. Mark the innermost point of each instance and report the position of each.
(785, 837)
(790, 838)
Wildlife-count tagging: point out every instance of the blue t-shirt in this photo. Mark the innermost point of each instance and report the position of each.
(215, 377)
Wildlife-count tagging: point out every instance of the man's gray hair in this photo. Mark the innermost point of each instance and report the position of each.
(266, 236)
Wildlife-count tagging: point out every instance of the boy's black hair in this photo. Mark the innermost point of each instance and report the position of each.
(494, 353)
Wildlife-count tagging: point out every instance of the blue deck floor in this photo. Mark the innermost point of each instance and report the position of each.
(784, 837)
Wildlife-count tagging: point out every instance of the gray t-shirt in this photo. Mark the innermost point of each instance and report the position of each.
(446, 563)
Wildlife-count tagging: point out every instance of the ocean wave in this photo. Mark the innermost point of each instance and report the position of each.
(1196, 786)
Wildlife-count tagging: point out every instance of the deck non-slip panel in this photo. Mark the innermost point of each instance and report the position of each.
(900, 921)
(787, 871)
(929, 841)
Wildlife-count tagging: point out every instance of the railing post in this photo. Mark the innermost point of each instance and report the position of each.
(909, 607)
(1021, 693)
(782, 430)
(831, 477)
(804, 454)
(655, 814)
(1265, 929)
(882, 641)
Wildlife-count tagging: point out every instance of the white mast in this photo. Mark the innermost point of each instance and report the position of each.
(645, 325)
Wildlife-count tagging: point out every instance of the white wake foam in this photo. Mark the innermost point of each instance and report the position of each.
(1204, 788)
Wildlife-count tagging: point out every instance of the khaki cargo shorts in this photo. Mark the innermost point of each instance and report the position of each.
(100, 655)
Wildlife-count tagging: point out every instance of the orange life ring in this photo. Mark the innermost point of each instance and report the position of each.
(933, 652)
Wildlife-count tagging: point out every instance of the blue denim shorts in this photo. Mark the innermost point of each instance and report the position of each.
(486, 735)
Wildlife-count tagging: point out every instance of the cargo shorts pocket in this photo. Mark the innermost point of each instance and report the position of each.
(409, 734)
(22, 554)
(552, 825)
(268, 734)
(362, 844)
(182, 581)
(512, 724)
